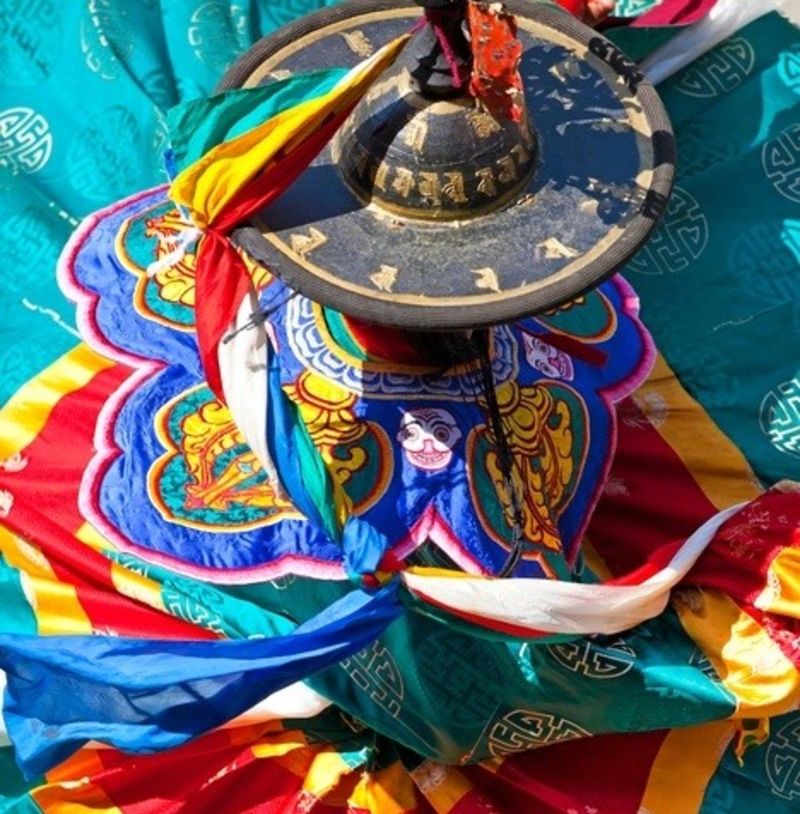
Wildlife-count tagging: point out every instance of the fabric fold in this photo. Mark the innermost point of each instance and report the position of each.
(143, 695)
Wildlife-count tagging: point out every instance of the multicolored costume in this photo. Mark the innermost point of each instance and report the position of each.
(379, 665)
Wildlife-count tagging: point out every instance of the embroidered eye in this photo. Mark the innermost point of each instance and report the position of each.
(410, 432)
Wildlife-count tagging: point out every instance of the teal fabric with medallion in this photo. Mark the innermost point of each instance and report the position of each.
(735, 346)
(84, 89)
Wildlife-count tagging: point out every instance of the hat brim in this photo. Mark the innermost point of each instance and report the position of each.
(605, 171)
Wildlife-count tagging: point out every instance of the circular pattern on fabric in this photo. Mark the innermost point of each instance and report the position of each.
(781, 159)
(780, 417)
(782, 761)
(719, 71)
(211, 30)
(107, 37)
(375, 672)
(25, 140)
(524, 729)
(593, 660)
(679, 240)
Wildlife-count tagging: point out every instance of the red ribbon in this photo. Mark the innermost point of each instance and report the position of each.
(221, 277)
(675, 12)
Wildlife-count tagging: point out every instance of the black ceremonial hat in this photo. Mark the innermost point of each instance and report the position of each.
(429, 212)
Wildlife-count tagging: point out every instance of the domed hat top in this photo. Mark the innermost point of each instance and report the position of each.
(434, 209)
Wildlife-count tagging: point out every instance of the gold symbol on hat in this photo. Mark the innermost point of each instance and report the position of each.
(486, 183)
(358, 43)
(507, 170)
(305, 244)
(404, 182)
(482, 123)
(487, 278)
(554, 249)
(385, 278)
(415, 133)
(454, 187)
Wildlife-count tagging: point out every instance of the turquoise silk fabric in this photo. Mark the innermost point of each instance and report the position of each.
(84, 89)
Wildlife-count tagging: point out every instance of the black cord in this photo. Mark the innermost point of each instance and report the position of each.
(504, 454)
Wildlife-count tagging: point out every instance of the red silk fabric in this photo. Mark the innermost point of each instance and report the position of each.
(675, 12)
(221, 277)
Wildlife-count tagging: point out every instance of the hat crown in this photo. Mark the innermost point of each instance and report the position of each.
(427, 155)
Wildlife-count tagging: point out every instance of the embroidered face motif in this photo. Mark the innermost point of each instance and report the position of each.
(550, 361)
(428, 437)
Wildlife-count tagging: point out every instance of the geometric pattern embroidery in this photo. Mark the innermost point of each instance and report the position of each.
(593, 661)
(782, 761)
(178, 599)
(376, 673)
(460, 674)
(679, 240)
(191, 609)
(781, 160)
(764, 266)
(524, 729)
(719, 71)
(25, 140)
(311, 346)
(780, 417)
(210, 31)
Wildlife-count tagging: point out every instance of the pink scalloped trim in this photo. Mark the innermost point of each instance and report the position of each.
(107, 451)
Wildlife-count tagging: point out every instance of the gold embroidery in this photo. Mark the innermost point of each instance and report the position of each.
(542, 441)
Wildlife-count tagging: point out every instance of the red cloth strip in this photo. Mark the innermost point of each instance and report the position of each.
(737, 561)
(221, 277)
(384, 342)
(651, 499)
(581, 775)
(674, 12)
